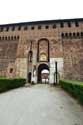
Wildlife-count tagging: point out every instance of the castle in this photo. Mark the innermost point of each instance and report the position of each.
(28, 48)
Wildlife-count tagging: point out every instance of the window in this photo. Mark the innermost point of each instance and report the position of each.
(13, 28)
(1, 29)
(11, 70)
(32, 28)
(14, 37)
(62, 35)
(61, 25)
(11, 37)
(54, 26)
(82, 34)
(39, 27)
(7, 29)
(5, 37)
(76, 24)
(46, 27)
(69, 24)
(19, 28)
(78, 34)
(66, 34)
(25, 28)
(8, 37)
(74, 34)
(17, 37)
(70, 34)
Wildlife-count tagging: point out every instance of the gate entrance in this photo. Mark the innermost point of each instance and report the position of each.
(43, 77)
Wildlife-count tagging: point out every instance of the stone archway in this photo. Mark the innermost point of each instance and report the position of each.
(41, 67)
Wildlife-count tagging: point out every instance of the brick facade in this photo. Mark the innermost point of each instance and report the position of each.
(25, 46)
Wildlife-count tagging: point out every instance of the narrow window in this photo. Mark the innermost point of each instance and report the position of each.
(54, 26)
(25, 28)
(17, 37)
(3, 38)
(70, 34)
(46, 27)
(76, 24)
(19, 28)
(1, 29)
(66, 35)
(78, 34)
(11, 37)
(82, 34)
(6, 38)
(74, 34)
(14, 37)
(61, 25)
(62, 35)
(13, 28)
(7, 29)
(11, 70)
(39, 27)
(32, 28)
(69, 24)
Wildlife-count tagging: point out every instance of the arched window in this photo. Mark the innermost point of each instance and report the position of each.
(14, 37)
(8, 37)
(66, 35)
(47, 27)
(54, 26)
(5, 37)
(78, 34)
(70, 34)
(61, 24)
(69, 24)
(39, 27)
(82, 34)
(43, 47)
(76, 24)
(11, 37)
(17, 37)
(74, 34)
(25, 28)
(62, 35)
(32, 27)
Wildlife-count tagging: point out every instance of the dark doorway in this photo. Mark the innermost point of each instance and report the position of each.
(40, 68)
(29, 77)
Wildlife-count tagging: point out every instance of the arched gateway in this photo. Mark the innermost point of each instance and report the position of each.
(41, 75)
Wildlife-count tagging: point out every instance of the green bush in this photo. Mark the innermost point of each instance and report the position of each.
(75, 88)
(7, 84)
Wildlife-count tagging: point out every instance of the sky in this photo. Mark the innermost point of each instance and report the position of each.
(14, 11)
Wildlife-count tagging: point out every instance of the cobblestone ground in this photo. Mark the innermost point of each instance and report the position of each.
(39, 105)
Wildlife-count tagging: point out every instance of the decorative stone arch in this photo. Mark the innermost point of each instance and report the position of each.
(38, 44)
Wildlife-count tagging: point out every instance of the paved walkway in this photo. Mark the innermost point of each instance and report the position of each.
(39, 105)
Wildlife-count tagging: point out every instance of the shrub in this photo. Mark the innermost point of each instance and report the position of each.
(75, 88)
(7, 83)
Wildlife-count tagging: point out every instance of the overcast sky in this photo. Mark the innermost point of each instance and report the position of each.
(12, 11)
